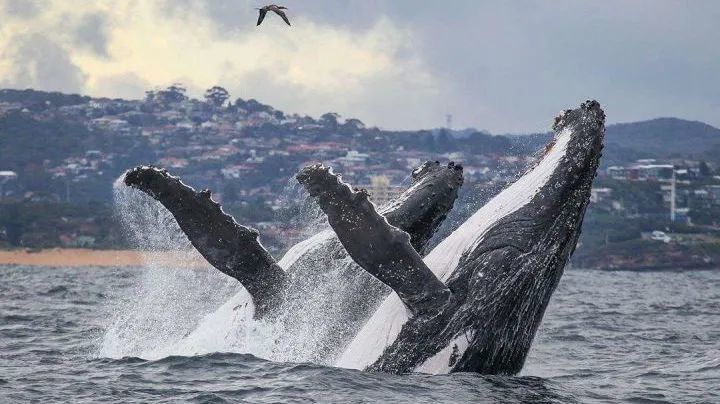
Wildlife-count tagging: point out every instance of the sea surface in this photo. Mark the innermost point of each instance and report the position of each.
(651, 337)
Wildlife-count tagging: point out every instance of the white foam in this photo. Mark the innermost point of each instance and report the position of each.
(229, 329)
(164, 303)
(385, 325)
(300, 249)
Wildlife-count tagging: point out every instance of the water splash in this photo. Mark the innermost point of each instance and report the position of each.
(300, 213)
(300, 329)
(176, 310)
(169, 297)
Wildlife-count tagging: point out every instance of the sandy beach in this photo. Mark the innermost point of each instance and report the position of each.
(97, 258)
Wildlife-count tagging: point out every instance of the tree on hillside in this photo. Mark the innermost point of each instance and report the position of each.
(217, 96)
(704, 169)
(150, 96)
(252, 105)
(479, 143)
(351, 126)
(173, 94)
(330, 120)
(444, 141)
(426, 141)
(354, 123)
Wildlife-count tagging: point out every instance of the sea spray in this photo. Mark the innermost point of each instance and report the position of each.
(177, 311)
(181, 311)
(166, 302)
(313, 305)
(302, 216)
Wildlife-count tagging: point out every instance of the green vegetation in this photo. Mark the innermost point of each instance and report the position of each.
(40, 100)
(647, 254)
(26, 142)
(68, 149)
(600, 227)
(47, 225)
(665, 137)
(655, 139)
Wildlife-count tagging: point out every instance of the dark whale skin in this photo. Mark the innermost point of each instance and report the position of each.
(502, 283)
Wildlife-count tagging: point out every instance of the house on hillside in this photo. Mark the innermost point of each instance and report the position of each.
(642, 172)
(7, 181)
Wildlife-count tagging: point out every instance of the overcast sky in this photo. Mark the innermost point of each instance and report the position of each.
(505, 66)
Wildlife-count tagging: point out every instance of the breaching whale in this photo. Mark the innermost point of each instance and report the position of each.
(280, 290)
(473, 303)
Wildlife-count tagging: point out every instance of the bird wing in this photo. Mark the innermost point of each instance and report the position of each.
(261, 17)
(282, 14)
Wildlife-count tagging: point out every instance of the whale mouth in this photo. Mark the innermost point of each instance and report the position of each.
(512, 270)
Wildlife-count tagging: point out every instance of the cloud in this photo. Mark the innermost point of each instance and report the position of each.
(91, 32)
(310, 69)
(498, 65)
(35, 61)
(20, 8)
(123, 85)
(509, 66)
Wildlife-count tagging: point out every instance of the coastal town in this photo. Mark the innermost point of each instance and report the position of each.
(66, 151)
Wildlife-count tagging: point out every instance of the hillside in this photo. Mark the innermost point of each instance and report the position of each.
(67, 150)
(38, 100)
(665, 137)
(660, 138)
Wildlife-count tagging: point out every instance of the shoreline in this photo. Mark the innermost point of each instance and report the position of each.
(77, 258)
(74, 258)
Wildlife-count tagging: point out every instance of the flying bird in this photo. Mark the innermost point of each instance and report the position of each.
(275, 9)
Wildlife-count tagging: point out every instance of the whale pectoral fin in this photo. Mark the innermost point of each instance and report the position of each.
(381, 249)
(231, 248)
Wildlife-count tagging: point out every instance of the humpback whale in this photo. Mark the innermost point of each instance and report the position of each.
(319, 264)
(473, 303)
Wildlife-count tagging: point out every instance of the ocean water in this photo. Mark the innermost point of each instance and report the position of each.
(634, 337)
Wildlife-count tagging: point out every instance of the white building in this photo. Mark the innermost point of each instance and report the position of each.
(381, 191)
(6, 177)
(642, 172)
(600, 194)
(354, 156)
